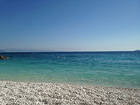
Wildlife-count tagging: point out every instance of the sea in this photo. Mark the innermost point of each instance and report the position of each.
(110, 69)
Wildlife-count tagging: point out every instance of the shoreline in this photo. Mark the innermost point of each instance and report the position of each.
(41, 93)
(70, 83)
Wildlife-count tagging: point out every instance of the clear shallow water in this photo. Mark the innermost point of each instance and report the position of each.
(120, 69)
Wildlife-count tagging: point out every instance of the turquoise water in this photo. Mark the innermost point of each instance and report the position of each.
(120, 69)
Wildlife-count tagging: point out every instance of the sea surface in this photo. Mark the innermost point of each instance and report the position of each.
(115, 69)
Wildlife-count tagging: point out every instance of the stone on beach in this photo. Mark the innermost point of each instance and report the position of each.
(3, 57)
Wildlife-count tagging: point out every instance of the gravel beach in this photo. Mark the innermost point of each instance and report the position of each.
(29, 93)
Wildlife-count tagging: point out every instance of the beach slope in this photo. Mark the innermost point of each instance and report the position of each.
(27, 93)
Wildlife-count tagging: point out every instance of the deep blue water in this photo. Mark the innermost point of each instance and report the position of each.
(120, 69)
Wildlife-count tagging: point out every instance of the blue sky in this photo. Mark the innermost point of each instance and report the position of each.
(70, 25)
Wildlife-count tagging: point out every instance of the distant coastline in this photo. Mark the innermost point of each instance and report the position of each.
(45, 51)
(137, 50)
(37, 50)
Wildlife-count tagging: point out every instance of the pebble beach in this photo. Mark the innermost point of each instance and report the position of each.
(31, 93)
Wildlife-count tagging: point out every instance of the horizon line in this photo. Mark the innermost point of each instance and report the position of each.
(66, 51)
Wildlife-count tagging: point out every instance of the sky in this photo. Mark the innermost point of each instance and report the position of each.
(70, 25)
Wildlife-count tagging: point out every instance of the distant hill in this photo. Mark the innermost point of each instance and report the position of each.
(2, 50)
(137, 50)
(22, 50)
